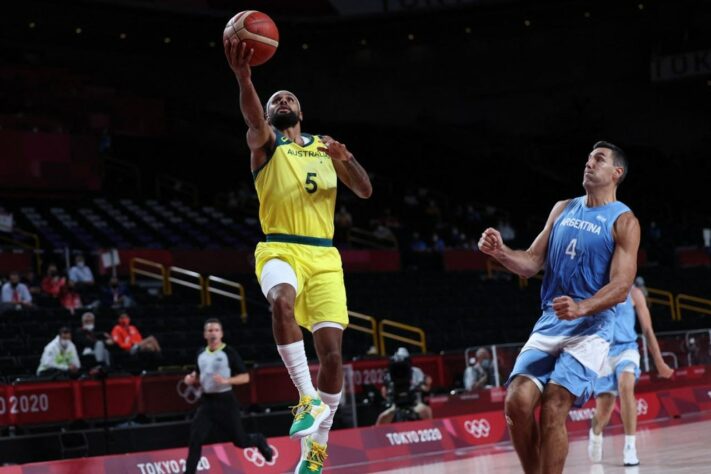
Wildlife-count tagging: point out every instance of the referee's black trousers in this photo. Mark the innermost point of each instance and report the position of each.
(219, 410)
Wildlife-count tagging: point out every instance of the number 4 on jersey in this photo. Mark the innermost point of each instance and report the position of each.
(570, 249)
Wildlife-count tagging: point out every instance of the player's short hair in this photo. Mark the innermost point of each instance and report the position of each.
(619, 157)
(212, 321)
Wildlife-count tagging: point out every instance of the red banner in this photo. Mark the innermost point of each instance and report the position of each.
(359, 449)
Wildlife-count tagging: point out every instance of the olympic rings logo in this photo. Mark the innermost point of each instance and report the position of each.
(255, 457)
(642, 406)
(190, 393)
(478, 428)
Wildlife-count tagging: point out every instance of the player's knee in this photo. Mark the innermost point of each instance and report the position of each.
(282, 307)
(517, 406)
(332, 359)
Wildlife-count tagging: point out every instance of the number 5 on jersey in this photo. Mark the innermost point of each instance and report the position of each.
(311, 185)
(570, 249)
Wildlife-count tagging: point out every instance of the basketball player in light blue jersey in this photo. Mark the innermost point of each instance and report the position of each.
(588, 248)
(620, 374)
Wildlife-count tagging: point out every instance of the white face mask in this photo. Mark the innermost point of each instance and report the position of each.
(64, 343)
(80, 264)
(89, 327)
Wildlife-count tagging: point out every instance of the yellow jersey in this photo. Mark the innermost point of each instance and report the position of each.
(296, 187)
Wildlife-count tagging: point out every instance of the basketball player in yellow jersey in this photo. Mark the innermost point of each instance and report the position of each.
(299, 270)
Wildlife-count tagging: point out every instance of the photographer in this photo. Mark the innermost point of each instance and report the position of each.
(403, 386)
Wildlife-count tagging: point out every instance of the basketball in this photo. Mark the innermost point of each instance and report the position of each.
(257, 30)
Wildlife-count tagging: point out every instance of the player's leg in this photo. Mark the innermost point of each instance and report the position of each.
(604, 404)
(628, 411)
(571, 382)
(386, 416)
(423, 411)
(555, 406)
(279, 285)
(525, 386)
(230, 421)
(199, 430)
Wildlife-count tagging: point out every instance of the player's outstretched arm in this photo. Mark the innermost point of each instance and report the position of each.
(259, 132)
(522, 262)
(645, 323)
(622, 272)
(349, 171)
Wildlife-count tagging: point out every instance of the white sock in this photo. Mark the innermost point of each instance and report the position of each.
(332, 400)
(294, 357)
(596, 437)
(630, 441)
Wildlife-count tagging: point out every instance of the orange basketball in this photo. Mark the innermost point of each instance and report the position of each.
(258, 31)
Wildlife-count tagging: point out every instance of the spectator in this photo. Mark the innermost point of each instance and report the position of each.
(53, 282)
(417, 244)
(383, 233)
(16, 293)
(128, 337)
(70, 299)
(33, 283)
(92, 344)
(116, 295)
(80, 274)
(508, 234)
(59, 356)
(438, 244)
(480, 372)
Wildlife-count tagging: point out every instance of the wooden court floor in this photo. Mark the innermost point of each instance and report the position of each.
(677, 446)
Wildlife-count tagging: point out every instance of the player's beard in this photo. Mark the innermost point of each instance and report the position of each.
(284, 121)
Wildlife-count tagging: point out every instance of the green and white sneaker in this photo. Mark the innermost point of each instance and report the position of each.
(308, 415)
(313, 455)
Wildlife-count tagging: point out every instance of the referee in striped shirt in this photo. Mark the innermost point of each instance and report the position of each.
(219, 367)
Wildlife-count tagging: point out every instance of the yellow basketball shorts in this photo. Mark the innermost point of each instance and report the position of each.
(320, 290)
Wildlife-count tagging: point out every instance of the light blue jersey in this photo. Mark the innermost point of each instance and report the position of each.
(573, 353)
(580, 250)
(625, 336)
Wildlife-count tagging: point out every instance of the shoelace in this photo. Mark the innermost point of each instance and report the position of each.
(316, 456)
(305, 403)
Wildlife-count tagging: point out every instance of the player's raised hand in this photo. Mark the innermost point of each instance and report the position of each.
(566, 308)
(665, 371)
(335, 149)
(238, 57)
(491, 242)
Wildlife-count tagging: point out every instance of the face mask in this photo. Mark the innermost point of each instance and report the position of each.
(124, 321)
(80, 264)
(486, 363)
(64, 343)
(89, 327)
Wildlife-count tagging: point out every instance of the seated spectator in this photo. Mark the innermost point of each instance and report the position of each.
(53, 282)
(80, 274)
(128, 337)
(479, 373)
(92, 344)
(417, 244)
(15, 294)
(116, 295)
(33, 283)
(60, 356)
(70, 299)
(438, 244)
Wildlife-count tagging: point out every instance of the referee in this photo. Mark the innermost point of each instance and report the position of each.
(219, 367)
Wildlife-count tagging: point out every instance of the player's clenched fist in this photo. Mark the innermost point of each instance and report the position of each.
(491, 241)
(566, 308)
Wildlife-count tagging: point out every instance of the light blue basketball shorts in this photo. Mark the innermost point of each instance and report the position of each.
(626, 361)
(562, 369)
